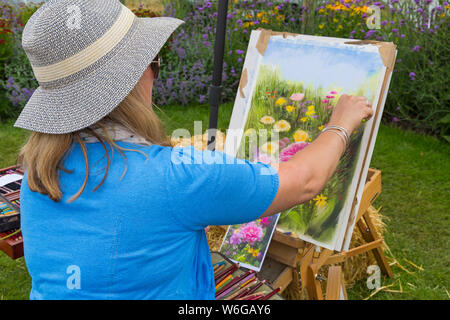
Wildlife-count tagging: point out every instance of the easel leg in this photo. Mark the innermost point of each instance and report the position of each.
(368, 231)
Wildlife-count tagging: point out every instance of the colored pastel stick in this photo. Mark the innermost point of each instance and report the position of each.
(219, 263)
(224, 281)
(239, 292)
(236, 283)
(225, 273)
(233, 283)
(218, 269)
(256, 287)
(271, 294)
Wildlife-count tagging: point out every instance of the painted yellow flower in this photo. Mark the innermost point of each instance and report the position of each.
(320, 200)
(311, 108)
(270, 148)
(320, 128)
(282, 126)
(290, 108)
(253, 252)
(310, 113)
(300, 136)
(280, 101)
(304, 119)
(267, 120)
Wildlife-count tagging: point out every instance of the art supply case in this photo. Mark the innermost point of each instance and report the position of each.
(10, 198)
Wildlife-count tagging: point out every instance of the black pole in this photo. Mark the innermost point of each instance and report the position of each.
(215, 91)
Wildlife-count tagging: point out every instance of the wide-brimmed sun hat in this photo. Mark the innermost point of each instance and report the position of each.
(87, 56)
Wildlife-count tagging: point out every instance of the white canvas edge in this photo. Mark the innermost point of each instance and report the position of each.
(371, 148)
(241, 106)
(249, 266)
(361, 169)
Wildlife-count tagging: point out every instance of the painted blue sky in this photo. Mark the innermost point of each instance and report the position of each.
(322, 65)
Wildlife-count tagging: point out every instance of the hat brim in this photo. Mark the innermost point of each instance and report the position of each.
(84, 102)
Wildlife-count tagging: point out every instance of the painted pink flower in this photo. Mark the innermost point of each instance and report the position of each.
(333, 92)
(264, 158)
(265, 221)
(297, 97)
(330, 97)
(326, 101)
(288, 152)
(330, 107)
(284, 142)
(251, 233)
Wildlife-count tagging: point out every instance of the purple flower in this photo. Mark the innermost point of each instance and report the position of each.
(412, 75)
(416, 48)
(239, 51)
(395, 119)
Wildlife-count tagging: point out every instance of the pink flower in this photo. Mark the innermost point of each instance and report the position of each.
(284, 142)
(264, 158)
(251, 233)
(333, 92)
(288, 152)
(265, 221)
(297, 97)
(330, 97)
(325, 101)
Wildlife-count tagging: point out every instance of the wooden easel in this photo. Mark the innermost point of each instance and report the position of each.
(293, 256)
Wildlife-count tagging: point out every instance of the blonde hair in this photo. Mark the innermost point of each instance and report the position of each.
(43, 153)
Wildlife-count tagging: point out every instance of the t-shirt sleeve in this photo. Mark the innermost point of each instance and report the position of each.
(212, 188)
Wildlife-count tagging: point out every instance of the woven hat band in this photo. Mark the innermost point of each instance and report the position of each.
(89, 55)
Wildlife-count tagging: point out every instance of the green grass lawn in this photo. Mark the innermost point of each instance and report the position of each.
(415, 198)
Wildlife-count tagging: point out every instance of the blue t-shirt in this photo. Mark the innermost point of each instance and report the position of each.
(141, 237)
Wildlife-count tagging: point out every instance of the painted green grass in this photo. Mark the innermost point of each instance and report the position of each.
(415, 199)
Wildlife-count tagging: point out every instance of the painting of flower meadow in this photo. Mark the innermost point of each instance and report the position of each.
(295, 86)
(247, 243)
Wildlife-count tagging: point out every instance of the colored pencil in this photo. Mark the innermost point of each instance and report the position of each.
(237, 283)
(224, 281)
(253, 296)
(238, 292)
(271, 294)
(233, 283)
(226, 273)
(220, 275)
(256, 287)
(218, 269)
(219, 263)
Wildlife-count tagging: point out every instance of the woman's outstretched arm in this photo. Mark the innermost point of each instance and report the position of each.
(307, 173)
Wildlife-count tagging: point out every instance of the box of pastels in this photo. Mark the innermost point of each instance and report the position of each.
(10, 182)
(237, 283)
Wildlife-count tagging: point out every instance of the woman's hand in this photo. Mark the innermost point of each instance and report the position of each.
(307, 172)
(350, 111)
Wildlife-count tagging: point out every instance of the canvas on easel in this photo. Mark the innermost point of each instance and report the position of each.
(289, 87)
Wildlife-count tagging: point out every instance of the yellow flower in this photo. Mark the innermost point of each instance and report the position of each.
(246, 24)
(310, 113)
(311, 108)
(264, 20)
(320, 128)
(282, 126)
(300, 136)
(270, 148)
(253, 252)
(304, 119)
(267, 120)
(280, 101)
(335, 20)
(321, 26)
(340, 27)
(290, 108)
(320, 200)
